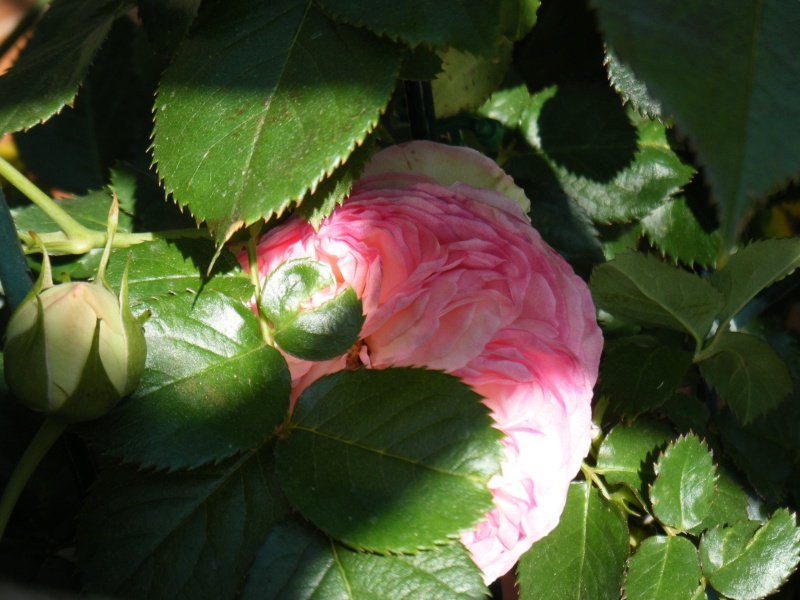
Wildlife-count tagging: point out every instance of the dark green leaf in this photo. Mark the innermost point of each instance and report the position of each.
(743, 59)
(332, 191)
(46, 76)
(185, 535)
(640, 373)
(747, 373)
(685, 478)
(261, 103)
(370, 452)
(210, 387)
(298, 562)
(689, 414)
(468, 80)
(167, 21)
(631, 89)
(647, 291)
(471, 25)
(289, 286)
(420, 64)
(583, 557)
(324, 332)
(728, 504)
(674, 229)
(627, 453)
(758, 454)
(747, 562)
(663, 568)
(753, 268)
(614, 163)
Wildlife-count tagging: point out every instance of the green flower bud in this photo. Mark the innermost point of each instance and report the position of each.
(73, 350)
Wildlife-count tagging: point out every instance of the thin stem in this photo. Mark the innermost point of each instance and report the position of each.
(47, 435)
(14, 273)
(59, 243)
(252, 260)
(73, 229)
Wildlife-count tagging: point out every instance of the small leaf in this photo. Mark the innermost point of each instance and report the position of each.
(685, 477)
(471, 25)
(630, 88)
(298, 562)
(583, 557)
(261, 103)
(614, 163)
(747, 562)
(664, 567)
(747, 373)
(185, 535)
(627, 453)
(644, 290)
(728, 504)
(370, 452)
(507, 106)
(753, 268)
(289, 286)
(324, 332)
(47, 74)
(743, 59)
(466, 81)
(640, 373)
(675, 230)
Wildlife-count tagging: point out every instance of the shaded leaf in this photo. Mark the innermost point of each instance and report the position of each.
(298, 562)
(647, 291)
(747, 562)
(674, 229)
(640, 373)
(167, 22)
(47, 74)
(630, 88)
(754, 267)
(370, 452)
(744, 59)
(747, 373)
(583, 557)
(685, 478)
(470, 25)
(689, 414)
(190, 534)
(664, 567)
(261, 103)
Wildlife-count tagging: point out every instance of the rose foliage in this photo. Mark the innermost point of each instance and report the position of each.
(372, 247)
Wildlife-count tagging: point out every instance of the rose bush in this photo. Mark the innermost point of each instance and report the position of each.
(435, 242)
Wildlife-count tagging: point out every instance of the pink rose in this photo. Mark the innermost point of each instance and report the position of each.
(453, 277)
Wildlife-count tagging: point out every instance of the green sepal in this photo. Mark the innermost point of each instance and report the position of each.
(135, 344)
(95, 394)
(17, 363)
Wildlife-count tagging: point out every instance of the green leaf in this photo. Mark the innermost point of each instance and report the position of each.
(583, 557)
(642, 372)
(47, 74)
(508, 106)
(688, 413)
(261, 103)
(743, 59)
(324, 332)
(370, 452)
(332, 191)
(210, 387)
(753, 268)
(630, 89)
(298, 562)
(663, 568)
(167, 22)
(627, 453)
(614, 163)
(289, 286)
(470, 25)
(647, 291)
(188, 534)
(758, 454)
(675, 230)
(747, 562)
(468, 80)
(685, 478)
(728, 504)
(747, 373)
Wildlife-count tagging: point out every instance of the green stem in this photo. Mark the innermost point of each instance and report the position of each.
(74, 230)
(252, 260)
(58, 243)
(47, 435)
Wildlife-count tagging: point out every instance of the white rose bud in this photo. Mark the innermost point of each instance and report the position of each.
(73, 350)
